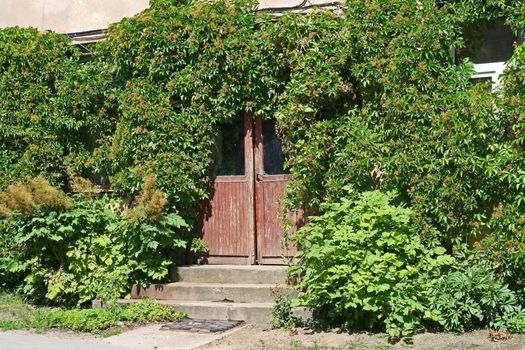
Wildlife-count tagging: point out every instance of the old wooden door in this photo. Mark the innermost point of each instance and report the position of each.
(242, 220)
(270, 183)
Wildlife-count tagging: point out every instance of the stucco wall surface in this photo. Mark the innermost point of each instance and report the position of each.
(74, 16)
(67, 16)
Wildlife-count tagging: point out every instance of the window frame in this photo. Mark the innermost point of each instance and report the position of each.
(492, 70)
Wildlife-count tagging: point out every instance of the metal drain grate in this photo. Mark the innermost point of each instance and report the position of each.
(208, 326)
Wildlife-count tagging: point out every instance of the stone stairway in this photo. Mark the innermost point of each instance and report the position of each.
(220, 292)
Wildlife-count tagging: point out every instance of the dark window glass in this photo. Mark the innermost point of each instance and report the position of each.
(274, 157)
(228, 150)
(492, 44)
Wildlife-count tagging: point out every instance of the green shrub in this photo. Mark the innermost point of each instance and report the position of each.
(513, 321)
(387, 107)
(504, 235)
(74, 255)
(148, 310)
(97, 320)
(362, 265)
(282, 313)
(8, 251)
(469, 296)
(504, 247)
(83, 320)
(42, 133)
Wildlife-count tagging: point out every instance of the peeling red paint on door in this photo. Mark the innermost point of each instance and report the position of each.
(242, 221)
(227, 219)
(269, 205)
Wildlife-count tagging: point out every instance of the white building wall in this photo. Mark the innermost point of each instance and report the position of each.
(74, 16)
(67, 16)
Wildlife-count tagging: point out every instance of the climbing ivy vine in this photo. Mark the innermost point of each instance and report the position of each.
(35, 135)
(373, 97)
(368, 95)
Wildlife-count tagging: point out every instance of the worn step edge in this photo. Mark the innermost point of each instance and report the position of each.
(214, 292)
(257, 313)
(229, 285)
(258, 274)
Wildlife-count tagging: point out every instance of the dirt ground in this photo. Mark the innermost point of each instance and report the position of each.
(258, 338)
(251, 337)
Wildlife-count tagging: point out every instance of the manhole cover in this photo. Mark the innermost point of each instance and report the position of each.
(212, 326)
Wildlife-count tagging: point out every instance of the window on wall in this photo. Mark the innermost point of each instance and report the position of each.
(489, 48)
(488, 72)
(228, 149)
(274, 158)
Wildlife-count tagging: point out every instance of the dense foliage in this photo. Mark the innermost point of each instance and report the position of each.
(376, 95)
(14, 314)
(504, 243)
(340, 87)
(363, 264)
(470, 296)
(182, 69)
(90, 249)
(43, 132)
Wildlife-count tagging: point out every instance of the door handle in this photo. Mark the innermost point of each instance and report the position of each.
(259, 176)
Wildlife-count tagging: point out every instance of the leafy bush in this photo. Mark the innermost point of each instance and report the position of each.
(470, 296)
(97, 320)
(74, 255)
(503, 237)
(148, 310)
(83, 320)
(24, 198)
(170, 130)
(362, 265)
(394, 112)
(8, 251)
(513, 321)
(504, 247)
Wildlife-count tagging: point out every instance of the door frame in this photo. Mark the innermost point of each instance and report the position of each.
(255, 237)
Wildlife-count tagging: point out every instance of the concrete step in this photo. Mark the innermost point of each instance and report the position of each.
(254, 274)
(213, 292)
(257, 313)
(222, 292)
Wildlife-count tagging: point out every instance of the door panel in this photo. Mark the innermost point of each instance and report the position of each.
(226, 220)
(242, 219)
(273, 155)
(270, 186)
(270, 191)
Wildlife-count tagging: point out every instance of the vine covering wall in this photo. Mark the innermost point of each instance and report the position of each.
(369, 97)
(36, 134)
(380, 121)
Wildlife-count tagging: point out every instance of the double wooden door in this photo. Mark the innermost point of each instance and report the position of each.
(242, 221)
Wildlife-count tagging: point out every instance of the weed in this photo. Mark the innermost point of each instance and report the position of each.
(106, 322)
(282, 313)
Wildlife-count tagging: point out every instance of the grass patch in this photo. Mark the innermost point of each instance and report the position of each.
(15, 314)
